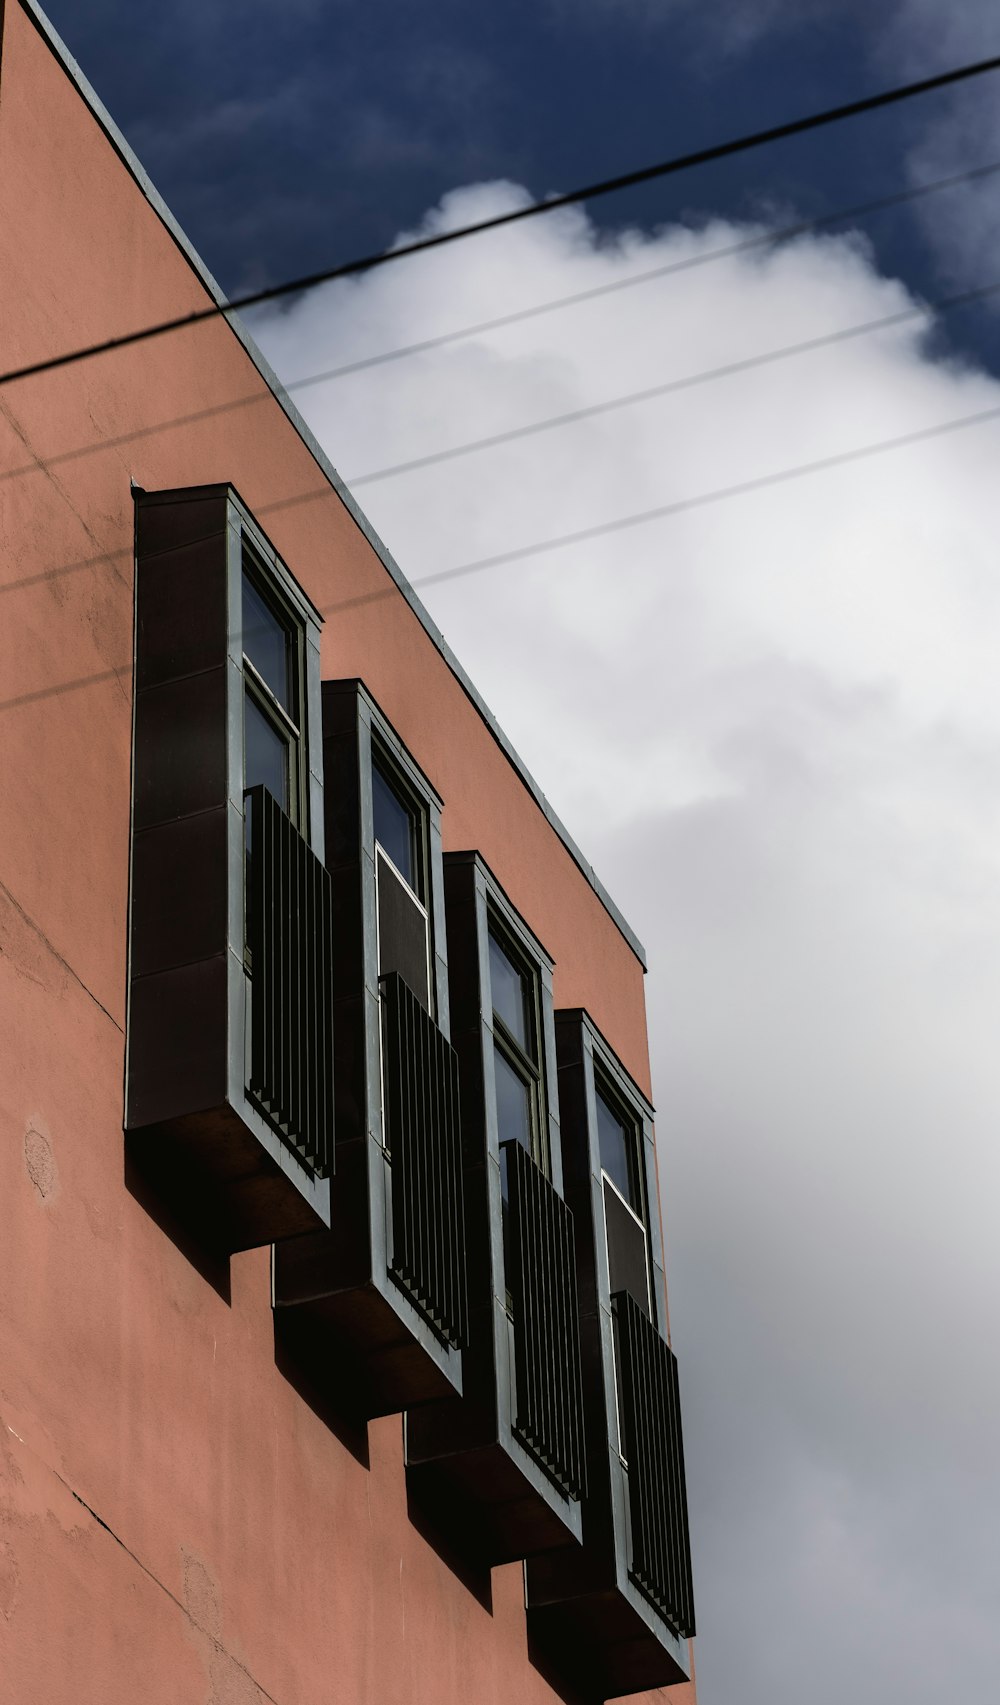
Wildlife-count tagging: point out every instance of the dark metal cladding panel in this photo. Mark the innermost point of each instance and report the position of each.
(626, 1249)
(402, 932)
(660, 1564)
(283, 913)
(419, 1078)
(307, 977)
(450, 1114)
(548, 1385)
(424, 1140)
(290, 935)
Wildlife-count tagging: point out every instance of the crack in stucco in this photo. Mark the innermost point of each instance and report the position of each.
(214, 1641)
(40, 933)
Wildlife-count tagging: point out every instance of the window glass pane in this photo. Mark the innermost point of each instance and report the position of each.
(618, 1153)
(267, 643)
(513, 1102)
(265, 752)
(395, 827)
(511, 995)
(513, 1116)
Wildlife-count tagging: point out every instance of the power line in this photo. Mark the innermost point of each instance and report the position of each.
(765, 239)
(680, 506)
(719, 495)
(686, 382)
(589, 192)
(621, 523)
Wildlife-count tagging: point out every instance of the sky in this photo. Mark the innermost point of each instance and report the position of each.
(771, 718)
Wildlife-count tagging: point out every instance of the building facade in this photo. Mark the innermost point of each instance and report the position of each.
(334, 1358)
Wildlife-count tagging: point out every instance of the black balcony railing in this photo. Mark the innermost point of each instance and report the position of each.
(290, 937)
(541, 1278)
(424, 1140)
(660, 1562)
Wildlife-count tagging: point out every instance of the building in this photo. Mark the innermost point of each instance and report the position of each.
(333, 1357)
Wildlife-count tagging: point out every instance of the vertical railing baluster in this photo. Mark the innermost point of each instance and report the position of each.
(660, 1562)
(421, 1101)
(290, 936)
(548, 1389)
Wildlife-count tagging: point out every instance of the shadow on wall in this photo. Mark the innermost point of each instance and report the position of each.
(190, 1239)
(329, 1401)
(476, 1577)
(571, 1690)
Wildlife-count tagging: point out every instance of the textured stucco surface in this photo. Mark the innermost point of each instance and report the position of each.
(176, 1523)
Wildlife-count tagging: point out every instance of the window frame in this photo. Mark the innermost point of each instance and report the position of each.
(192, 1014)
(268, 577)
(531, 1072)
(494, 908)
(627, 1111)
(487, 1435)
(292, 730)
(627, 1114)
(417, 804)
(388, 755)
(250, 551)
(356, 1263)
(605, 1090)
(607, 1077)
(604, 1074)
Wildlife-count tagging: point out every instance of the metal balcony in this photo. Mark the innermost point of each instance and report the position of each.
(660, 1560)
(541, 1274)
(371, 1317)
(424, 1145)
(290, 937)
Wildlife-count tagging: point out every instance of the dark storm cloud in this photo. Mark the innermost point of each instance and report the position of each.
(288, 137)
(821, 1064)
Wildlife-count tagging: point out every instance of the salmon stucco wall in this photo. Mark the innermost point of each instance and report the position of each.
(176, 1523)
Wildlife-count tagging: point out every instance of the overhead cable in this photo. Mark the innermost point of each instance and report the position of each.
(765, 239)
(719, 495)
(687, 382)
(602, 529)
(768, 238)
(588, 192)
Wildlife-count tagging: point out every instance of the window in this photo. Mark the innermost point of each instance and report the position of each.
(517, 1075)
(514, 995)
(619, 1143)
(272, 692)
(619, 1135)
(397, 829)
(393, 1272)
(512, 1454)
(401, 880)
(227, 751)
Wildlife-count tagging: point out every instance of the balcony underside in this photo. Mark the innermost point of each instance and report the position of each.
(359, 1355)
(343, 1320)
(481, 1488)
(482, 1501)
(216, 1179)
(602, 1645)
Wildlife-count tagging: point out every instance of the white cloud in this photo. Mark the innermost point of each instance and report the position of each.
(956, 129)
(775, 725)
